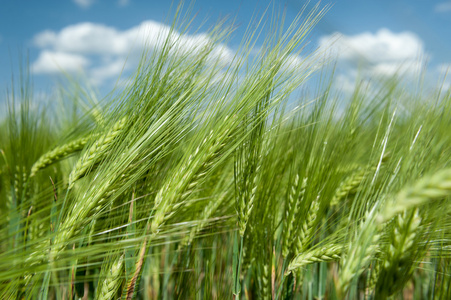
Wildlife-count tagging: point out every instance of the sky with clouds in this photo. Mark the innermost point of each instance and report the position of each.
(96, 37)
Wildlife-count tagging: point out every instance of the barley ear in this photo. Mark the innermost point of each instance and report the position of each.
(58, 153)
(208, 211)
(433, 187)
(351, 184)
(400, 254)
(348, 186)
(95, 152)
(246, 197)
(295, 198)
(264, 280)
(325, 254)
(360, 251)
(112, 279)
(305, 231)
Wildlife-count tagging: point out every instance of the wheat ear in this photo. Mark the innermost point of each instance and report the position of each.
(264, 280)
(88, 204)
(164, 204)
(373, 276)
(351, 184)
(294, 200)
(348, 186)
(398, 262)
(112, 280)
(360, 251)
(173, 194)
(21, 192)
(96, 152)
(58, 153)
(246, 199)
(325, 254)
(208, 211)
(433, 187)
(404, 235)
(303, 238)
(355, 264)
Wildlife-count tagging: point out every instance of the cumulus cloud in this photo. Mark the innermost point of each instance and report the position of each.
(443, 7)
(84, 3)
(380, 54)
(84, 38)
(345, 83)
(294, 61)
(381, 46)
(110, 47)
(385, 52)
(108, 70)
(53, 62)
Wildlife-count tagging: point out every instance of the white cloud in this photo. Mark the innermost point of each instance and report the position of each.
(345, 83)
(84, 38)
(407, 68)
(109, 70)
(294, 62)
(377, 56)
(443, 7)
(383, 53)
(383, 46)
(53, 62)
(109, 47)
(84, 3)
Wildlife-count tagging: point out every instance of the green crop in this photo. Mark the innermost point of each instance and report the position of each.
(205, 180)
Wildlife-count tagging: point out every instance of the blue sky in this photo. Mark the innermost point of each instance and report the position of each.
(95, 36)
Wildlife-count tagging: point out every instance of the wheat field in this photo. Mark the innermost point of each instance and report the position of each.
(205, 180)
